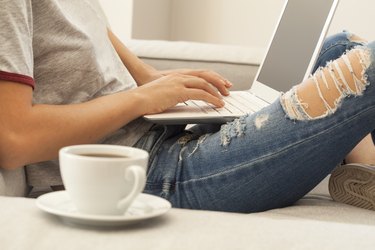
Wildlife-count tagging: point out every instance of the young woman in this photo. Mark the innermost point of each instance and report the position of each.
(66, 79)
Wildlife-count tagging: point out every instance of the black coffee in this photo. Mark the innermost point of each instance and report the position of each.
(104, 155)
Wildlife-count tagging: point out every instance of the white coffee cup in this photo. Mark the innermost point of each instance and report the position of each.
(103, 179)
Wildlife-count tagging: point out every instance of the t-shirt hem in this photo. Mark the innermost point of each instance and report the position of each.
(14, 77)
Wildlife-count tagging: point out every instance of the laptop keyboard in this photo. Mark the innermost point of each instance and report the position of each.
(238, 103)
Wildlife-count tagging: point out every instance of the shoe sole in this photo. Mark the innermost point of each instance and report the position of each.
(353, 184)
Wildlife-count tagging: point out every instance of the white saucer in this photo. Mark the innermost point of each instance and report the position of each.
(59, 203)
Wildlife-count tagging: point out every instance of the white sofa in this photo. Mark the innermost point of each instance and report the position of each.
(315, 222)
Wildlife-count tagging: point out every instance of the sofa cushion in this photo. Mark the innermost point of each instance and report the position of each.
(236, 63)
(310, 224)
(194, 51)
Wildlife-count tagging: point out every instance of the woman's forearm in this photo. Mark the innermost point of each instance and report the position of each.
(36, 133)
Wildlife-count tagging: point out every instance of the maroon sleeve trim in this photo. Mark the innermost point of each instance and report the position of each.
(14, 77)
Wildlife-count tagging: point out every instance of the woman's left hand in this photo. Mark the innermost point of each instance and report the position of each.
(218, 81)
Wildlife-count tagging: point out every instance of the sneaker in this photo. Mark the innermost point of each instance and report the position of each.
(354, 184)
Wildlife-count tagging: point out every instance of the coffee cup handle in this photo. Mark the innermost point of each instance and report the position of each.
(139, 175)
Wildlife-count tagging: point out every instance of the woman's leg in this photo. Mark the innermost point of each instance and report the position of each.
(334, 47)
(363, 153)
(353, 183)
(274, 157)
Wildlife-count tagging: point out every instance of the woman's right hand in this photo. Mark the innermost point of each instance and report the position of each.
(168, 91)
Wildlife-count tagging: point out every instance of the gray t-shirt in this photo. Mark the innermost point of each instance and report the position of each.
(61, 49)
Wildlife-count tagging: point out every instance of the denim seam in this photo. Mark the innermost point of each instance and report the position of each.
(334, 45)
(236, 167)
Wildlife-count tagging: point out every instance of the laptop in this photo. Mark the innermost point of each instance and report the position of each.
(290, 57)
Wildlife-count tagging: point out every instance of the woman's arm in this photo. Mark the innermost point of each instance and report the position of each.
(33, 133)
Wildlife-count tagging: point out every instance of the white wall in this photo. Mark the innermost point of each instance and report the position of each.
(250, 22)
(238, 22)
(152, 19)
(120, 16)
(241, 22)
(355, 16)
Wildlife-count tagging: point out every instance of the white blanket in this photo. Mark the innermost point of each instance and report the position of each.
(310, 224)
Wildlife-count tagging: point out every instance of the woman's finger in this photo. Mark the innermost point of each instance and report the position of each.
(215, 79)
(199, 83)
(198, 94)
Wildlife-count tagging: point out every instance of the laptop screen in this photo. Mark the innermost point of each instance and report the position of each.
(294, 43)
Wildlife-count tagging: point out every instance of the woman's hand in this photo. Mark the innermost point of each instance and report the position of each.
(167, 91)
(212, 77)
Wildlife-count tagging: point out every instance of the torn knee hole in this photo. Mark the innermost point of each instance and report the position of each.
(356, 39)
(321, 94)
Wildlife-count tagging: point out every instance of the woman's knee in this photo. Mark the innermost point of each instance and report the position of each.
(335, 46)
(322, 93)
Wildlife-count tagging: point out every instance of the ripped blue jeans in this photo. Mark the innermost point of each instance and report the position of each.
(265, 160)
